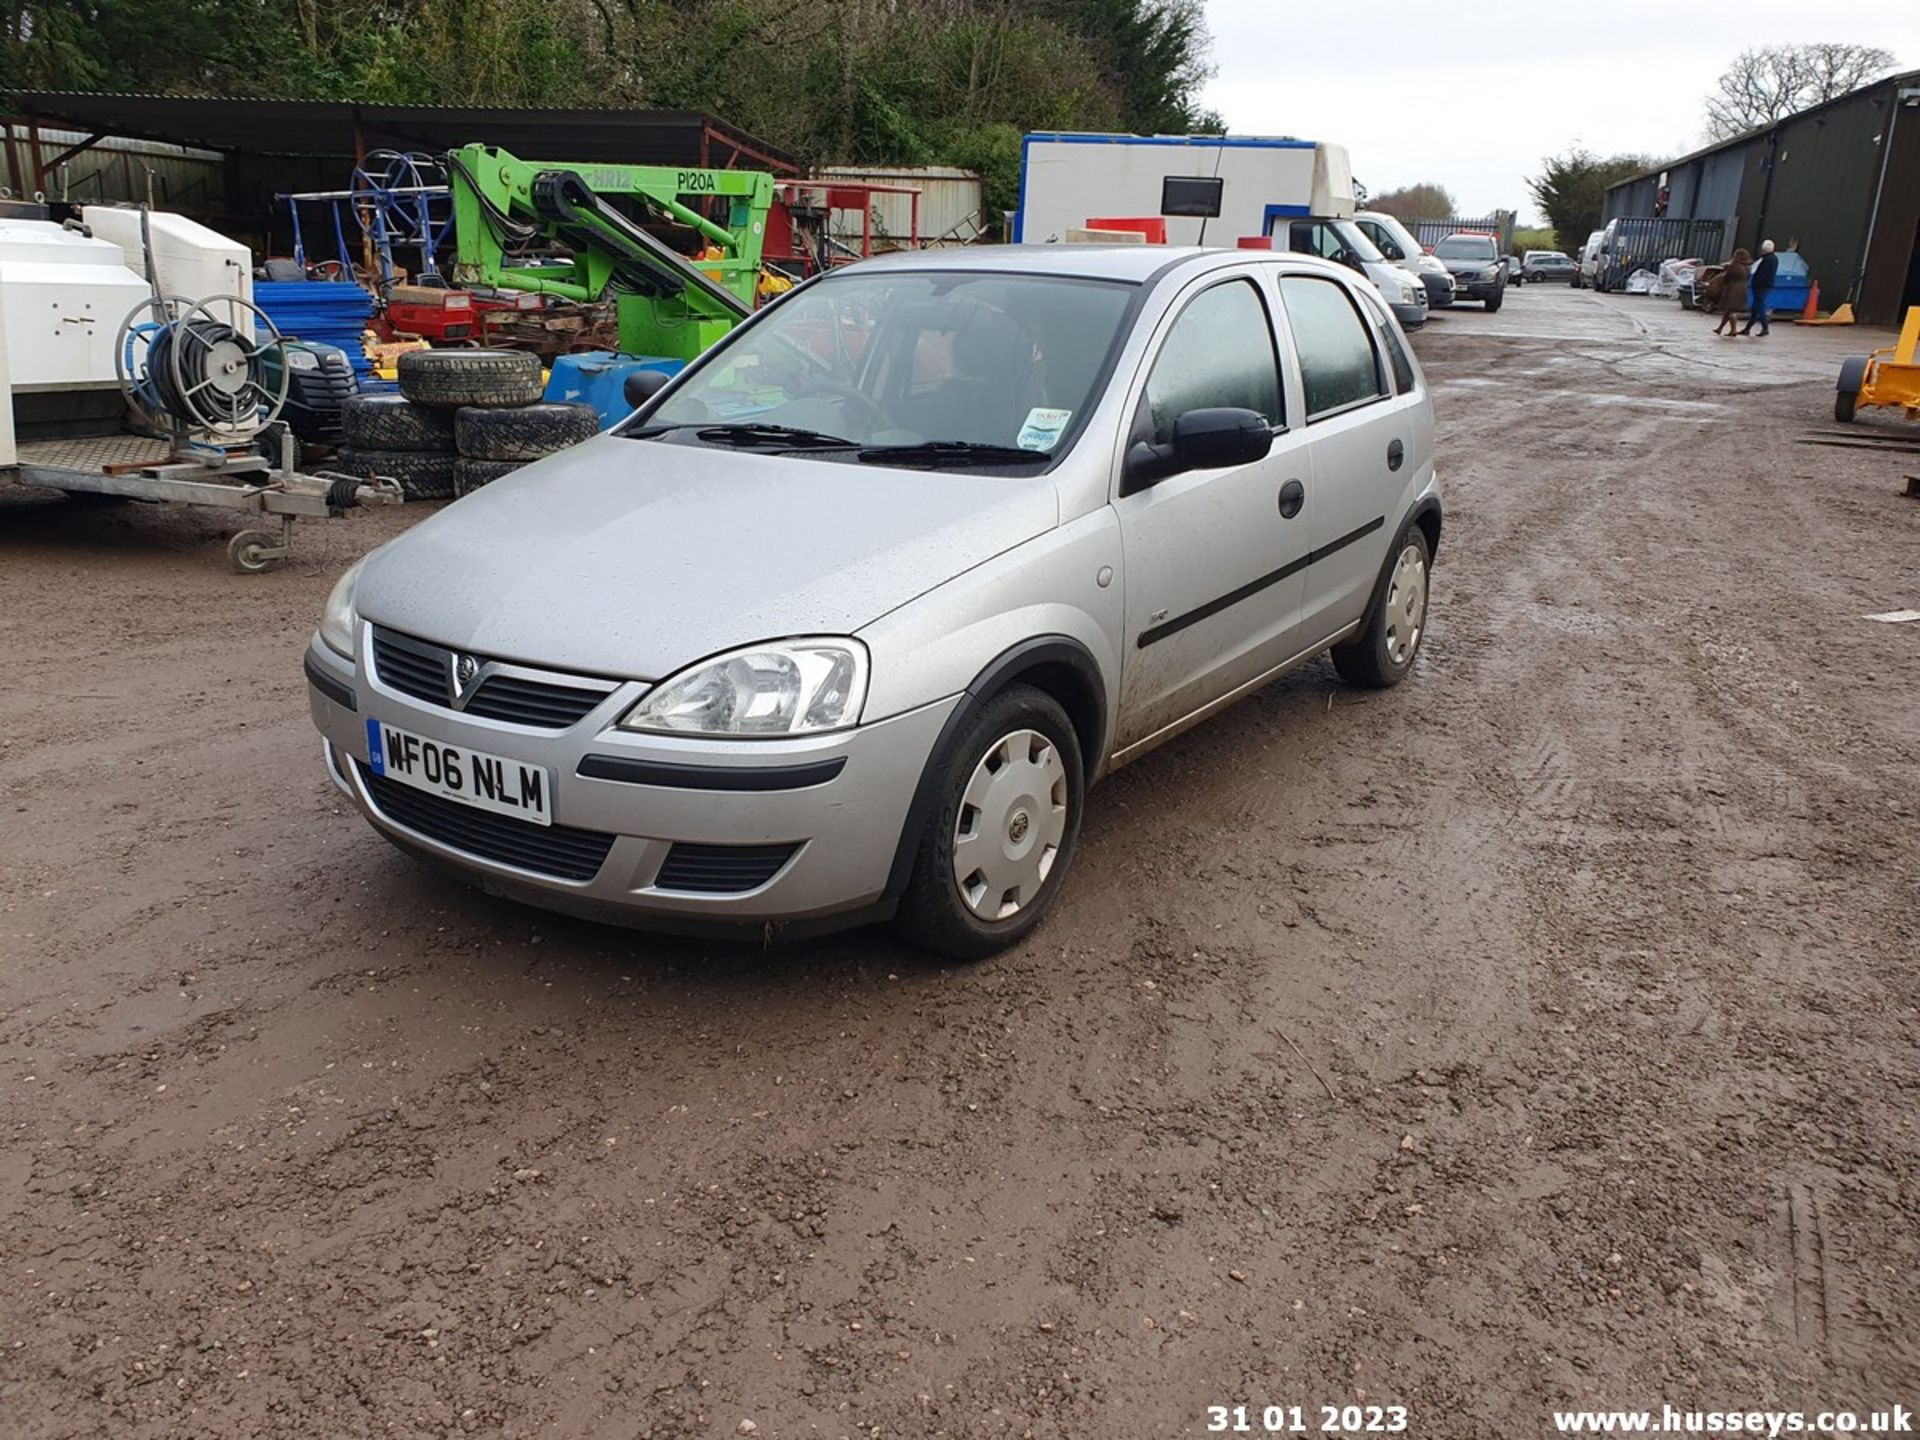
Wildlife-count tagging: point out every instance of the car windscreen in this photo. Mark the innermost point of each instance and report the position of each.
(1466, 247)
(896, 362)
(1409, 247)
(1356, 240)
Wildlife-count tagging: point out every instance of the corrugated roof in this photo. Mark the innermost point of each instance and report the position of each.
(1898, 82)
(336, 127)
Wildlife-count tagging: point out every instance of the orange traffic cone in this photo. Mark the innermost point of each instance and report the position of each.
(1812, 311)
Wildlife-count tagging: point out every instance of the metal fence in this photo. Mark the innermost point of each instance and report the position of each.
(1641, 242)
(1431, 232)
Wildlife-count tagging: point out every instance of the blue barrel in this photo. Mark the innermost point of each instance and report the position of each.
(600, 380)
(1791, 284)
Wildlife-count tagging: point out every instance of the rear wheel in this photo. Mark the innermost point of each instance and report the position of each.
(996, 849)
(1384, 650)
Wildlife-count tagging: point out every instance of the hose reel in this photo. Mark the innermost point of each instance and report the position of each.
(215, 367)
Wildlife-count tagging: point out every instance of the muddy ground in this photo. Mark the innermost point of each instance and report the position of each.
(1542, 1033)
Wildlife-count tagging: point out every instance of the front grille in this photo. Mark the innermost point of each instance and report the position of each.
(560, 851)
(413, 668)
(722, 869)
(422, 670)
(532, 702)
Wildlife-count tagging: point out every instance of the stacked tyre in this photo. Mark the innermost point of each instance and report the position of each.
(462, 418)
(390, 437)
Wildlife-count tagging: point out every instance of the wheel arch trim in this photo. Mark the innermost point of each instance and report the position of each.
(1037, 652)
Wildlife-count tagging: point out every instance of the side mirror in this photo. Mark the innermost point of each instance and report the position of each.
(1212, 439)
(642, 385)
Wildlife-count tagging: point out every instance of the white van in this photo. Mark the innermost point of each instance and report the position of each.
(1588, 263)
(1398, 244)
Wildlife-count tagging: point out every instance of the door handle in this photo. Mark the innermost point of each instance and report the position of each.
(1292, 496)
(1396, 453)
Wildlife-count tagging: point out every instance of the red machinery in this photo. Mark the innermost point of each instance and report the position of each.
(800, 239)
(438, 316)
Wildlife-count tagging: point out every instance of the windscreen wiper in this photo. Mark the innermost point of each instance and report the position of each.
(946, 452)
(746, 433)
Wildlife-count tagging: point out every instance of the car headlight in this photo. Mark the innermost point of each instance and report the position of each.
(302, 360)
(339, 617)
(1407, 297)
(1492, 272)
(784, 687)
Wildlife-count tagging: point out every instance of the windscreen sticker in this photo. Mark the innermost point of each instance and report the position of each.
(1043, 429)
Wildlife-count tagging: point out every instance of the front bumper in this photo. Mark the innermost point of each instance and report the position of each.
(843, 829)
(1478, 289)
(1439, 290)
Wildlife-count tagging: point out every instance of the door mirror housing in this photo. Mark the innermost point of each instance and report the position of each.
(642, 385)
(1212, 439)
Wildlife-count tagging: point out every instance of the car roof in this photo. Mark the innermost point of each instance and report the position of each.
(1132, 263)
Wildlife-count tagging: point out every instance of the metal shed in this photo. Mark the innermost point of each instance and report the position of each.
(1839, 182)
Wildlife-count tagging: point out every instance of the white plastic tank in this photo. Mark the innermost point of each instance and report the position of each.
(193, 262)
(62, 298)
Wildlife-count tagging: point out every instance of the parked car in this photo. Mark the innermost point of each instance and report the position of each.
(1545, 265)
(1398, 245)
(1586, 268)
(844, 621)
(1512, 264)
(1343, 242)
(1474, 261)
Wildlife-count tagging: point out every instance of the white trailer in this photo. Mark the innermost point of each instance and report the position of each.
(69, 298)
(1250, 181)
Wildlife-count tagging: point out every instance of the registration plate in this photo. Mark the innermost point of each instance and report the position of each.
(453, 772)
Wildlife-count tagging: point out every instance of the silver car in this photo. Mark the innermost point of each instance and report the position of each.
(843, 622)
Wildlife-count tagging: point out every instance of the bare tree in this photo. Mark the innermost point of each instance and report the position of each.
(1413, 203)
(1763, 85)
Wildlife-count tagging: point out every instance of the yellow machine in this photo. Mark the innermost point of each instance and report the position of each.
(1889, 377)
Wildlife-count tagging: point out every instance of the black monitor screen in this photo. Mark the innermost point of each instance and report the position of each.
(1197, 195)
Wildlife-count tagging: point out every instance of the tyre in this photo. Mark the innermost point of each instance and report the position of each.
(1384, 650)
(1494, 303)
(451, 378)
(393, 422)
(522, 434)
(1853, 374)
(471, 475)
(996, 849)
(421, 476)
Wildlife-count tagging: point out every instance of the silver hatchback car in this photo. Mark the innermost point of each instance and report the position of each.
(843, 622)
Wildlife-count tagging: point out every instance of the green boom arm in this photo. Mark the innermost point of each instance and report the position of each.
(666, 304)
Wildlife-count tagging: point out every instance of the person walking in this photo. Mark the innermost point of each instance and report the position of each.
(1761, 284)
(1733, 293)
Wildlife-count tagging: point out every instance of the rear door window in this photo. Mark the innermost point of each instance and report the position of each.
(1219, 353)
(1338, 363)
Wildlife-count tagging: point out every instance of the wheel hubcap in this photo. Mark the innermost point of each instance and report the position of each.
(1406, 610)
(1013, 816)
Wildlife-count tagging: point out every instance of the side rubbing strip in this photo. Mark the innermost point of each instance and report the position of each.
(1253, 587)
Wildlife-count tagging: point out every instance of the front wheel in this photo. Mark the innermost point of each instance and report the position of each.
(1493, 305)
(996, 849)
(1384, 650)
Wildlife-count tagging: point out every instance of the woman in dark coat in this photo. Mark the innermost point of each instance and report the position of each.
(1733, 292)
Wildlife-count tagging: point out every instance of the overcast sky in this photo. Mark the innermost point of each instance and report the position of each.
(1458, 95)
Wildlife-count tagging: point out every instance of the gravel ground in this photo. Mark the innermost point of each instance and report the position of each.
(1541, 1033)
